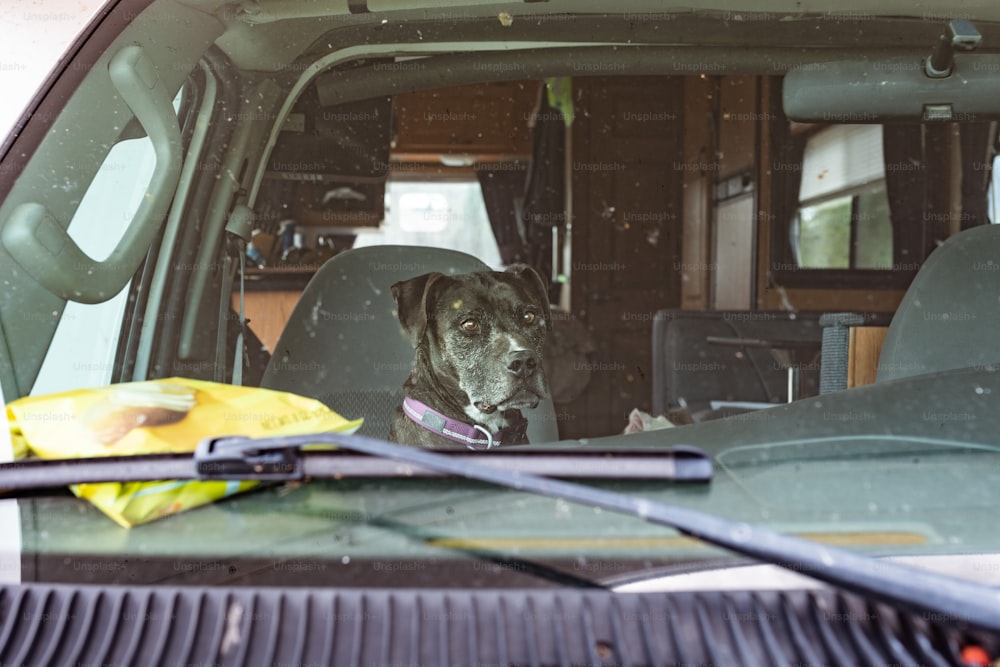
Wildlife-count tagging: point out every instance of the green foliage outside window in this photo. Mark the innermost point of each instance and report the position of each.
(824, 239)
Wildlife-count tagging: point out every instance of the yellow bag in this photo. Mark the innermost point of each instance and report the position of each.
(159, 416)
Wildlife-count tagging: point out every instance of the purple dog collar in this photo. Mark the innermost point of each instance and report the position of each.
(473, 437)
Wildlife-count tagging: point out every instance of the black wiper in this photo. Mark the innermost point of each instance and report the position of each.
(284, 459)
(954, 601)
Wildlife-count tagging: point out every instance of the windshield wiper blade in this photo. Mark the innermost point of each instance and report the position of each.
(285, 459)
(948, 600)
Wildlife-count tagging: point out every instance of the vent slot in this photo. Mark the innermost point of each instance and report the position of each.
(58, 624)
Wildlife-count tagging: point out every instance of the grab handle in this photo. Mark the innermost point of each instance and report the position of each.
(42, 246)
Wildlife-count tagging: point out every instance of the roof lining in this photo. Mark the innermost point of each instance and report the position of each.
(294, 44)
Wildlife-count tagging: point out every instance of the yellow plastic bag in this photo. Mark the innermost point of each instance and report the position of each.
(159, 416)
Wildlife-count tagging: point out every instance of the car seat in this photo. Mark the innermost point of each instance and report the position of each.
(950, 315)
(696, 363)
(343, 344)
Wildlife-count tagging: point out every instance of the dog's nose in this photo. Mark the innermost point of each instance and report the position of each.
(522, 363)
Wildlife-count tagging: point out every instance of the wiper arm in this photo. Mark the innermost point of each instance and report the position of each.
(954, 601)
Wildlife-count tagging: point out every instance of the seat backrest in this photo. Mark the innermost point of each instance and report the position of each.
(343, 344)
(690, 369)
(950, 315)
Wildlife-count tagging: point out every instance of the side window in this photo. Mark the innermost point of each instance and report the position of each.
(843, 216)
(104, 213)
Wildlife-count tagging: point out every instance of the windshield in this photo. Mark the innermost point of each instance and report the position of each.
(767, 234)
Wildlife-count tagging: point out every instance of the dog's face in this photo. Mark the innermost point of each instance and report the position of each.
(482, 333)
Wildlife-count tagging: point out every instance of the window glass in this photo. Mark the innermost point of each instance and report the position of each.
(104, 214)
(825, 235)
(839, 158)
(444, 214)
(825, 232)
(992, 201)
(423, 212)
(843, 219)
(873, 249)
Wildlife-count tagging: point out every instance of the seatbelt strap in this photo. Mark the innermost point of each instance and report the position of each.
(238, 231)
(221, 335)
(239, 359)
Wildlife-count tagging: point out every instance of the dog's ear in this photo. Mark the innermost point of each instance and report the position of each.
(535, 286)
(412, 304)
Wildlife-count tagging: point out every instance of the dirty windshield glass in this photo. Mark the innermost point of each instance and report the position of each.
(767, 236)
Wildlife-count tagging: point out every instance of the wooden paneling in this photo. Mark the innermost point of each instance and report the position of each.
(769, 87)
(268, 312)
(699, 171)
(864, 349)
(491, 120)
(739, 119)
(626, 201)
(831, 300)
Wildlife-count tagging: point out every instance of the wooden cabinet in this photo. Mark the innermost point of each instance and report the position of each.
(332, 202)
(267, 312)
(489, 121)
(864, 349)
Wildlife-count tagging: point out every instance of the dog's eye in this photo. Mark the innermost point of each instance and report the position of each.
(528, 317)
(470, 325)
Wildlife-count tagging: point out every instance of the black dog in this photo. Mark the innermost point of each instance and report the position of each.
(478, 340)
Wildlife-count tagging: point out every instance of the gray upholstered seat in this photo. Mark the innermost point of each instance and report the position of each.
(343, 344)
(950, 316)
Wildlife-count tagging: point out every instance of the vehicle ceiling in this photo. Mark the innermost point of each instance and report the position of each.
(272, 35)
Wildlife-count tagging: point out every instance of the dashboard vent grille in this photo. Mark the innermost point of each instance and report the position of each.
(66, 625)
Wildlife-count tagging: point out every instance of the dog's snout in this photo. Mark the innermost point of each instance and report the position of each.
(522, 363)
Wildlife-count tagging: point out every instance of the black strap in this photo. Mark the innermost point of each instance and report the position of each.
(225, 291)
